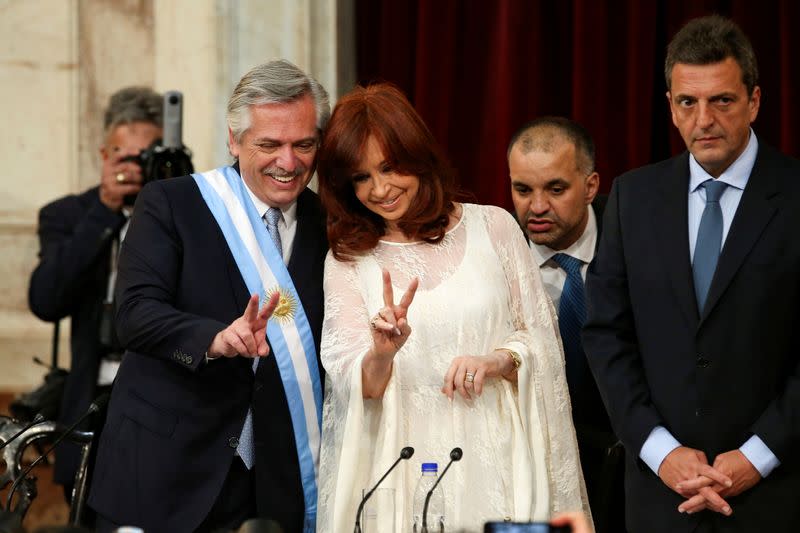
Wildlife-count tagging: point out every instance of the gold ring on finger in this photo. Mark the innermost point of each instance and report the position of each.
(120, 177)
(373, 322)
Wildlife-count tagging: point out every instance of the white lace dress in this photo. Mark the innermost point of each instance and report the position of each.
(479, 290)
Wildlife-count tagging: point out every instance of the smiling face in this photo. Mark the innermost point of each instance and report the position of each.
(381, 189)
(276, 153)
(713, 112)
(550, 194)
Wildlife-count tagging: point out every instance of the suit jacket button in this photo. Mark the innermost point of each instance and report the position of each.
(702, 362)
(233, 442)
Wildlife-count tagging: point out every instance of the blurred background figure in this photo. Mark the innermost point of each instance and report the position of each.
(79, 239)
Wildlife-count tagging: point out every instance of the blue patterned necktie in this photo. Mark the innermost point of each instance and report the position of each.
(272, 217)
(571, 317)
(709, 242)
(245, 447)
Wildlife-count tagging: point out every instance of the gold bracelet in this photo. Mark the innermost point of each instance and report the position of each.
(514, 357)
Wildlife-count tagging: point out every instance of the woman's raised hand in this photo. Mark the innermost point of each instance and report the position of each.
(389, 326)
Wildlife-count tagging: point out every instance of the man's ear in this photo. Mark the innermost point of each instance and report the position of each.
(233, 146)
(671, 109)
(592, 186)
(755, 103)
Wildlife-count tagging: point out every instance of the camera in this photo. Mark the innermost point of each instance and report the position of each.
(166, 157)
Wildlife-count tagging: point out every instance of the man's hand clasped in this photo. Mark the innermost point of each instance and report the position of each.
(687, 472)
(247, 335)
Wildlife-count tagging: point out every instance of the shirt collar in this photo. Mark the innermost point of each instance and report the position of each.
(735, 175)
(582, 249)
(289, 213)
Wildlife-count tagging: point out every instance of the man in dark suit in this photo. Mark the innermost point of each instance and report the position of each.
(210, 422)
(693, 307)
(554, 189)
(79, 237)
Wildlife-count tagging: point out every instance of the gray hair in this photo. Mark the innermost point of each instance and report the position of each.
(545, 134)
(273, 83)
(134, 104)
(708, 40)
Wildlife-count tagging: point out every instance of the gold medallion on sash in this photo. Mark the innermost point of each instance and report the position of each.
(287, 304)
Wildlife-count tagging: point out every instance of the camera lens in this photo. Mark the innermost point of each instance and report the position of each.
(173, 99)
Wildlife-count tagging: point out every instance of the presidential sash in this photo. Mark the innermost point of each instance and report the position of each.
(288, 330)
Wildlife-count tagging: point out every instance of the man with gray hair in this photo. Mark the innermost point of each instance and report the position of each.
(214, 416)
(79, 235)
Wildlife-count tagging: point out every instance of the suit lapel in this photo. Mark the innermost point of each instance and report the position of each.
(755, 211)
(307, 236)
(671, 219)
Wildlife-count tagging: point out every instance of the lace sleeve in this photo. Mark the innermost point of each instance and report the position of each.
(345, 340)
(345, 330)
(542, 384)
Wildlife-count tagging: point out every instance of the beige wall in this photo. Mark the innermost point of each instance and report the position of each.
(59, 62)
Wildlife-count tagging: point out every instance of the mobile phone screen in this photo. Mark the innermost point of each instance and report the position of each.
(519, 527)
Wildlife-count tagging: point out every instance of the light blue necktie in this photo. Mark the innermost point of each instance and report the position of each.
(245, 447)
(709, 241)
(571, 316)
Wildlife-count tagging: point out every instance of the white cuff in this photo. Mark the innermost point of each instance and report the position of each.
(658, 445)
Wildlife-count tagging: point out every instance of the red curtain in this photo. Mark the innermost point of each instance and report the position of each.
(476, 71)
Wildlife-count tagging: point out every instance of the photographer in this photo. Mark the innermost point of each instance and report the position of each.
(79, 238)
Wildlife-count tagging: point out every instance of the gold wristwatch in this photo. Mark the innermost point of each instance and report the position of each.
(514, 357)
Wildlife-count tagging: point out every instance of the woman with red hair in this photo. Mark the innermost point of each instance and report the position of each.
(437, 334)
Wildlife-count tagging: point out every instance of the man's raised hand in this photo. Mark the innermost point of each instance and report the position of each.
(247, 335)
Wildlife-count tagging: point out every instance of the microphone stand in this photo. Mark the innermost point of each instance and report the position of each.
(455, 455)
(93, 408)
(405, 453)
(38, 419)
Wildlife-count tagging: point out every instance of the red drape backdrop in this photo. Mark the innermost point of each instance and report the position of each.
(477, 70)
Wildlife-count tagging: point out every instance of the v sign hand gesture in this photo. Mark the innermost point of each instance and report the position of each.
(247, 335)
(390, 330)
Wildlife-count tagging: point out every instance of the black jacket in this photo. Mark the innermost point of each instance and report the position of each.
(173, 419)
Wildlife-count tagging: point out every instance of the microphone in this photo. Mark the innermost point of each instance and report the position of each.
(455, 455)
(405, 453)
(95, 406)
(38, 419)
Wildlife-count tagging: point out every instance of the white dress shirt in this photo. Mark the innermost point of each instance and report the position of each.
(661, 442)
(553, 276)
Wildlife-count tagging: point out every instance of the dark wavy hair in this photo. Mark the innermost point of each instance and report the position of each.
(383, 112)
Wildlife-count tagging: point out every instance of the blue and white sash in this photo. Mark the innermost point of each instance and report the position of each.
(288, 331)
